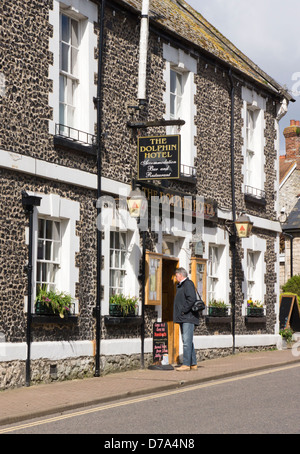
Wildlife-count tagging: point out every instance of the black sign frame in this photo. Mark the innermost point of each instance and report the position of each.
(159, 157)
(160, 341)
(289, 312)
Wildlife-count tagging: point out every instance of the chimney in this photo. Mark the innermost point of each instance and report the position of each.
(292, 140)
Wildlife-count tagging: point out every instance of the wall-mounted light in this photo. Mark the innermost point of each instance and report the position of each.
(137, 203)
(243, 226)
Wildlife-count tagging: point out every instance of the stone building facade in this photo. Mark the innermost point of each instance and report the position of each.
(49, 146)
(289, 193)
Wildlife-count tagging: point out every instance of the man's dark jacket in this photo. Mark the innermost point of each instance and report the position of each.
(184, 301)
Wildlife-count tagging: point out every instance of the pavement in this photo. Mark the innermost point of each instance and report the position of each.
(25, 403)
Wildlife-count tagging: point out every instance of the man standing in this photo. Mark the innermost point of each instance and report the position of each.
(187, 319)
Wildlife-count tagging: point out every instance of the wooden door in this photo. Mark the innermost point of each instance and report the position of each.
(168, 294)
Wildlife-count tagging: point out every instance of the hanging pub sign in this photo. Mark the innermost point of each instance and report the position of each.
(158, 157)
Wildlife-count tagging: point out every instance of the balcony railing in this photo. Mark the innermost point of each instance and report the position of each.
(188, 171)
(255, 192)
(74, 134)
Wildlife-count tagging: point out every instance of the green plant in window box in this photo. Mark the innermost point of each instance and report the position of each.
(49, 302)
(217, 308)
(122, 306)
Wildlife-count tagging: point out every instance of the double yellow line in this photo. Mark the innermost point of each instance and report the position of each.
(146, 398)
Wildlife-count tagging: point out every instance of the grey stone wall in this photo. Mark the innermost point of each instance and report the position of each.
(24, 116)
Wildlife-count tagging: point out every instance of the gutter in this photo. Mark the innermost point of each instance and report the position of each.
(233, 236)
(144, 34)
(99, 189)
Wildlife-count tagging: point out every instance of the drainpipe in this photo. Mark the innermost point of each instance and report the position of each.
(144, 33)
(29, 202)
(99, 190)
(233, 236)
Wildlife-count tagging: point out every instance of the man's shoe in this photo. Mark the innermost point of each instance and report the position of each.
(194, 367)
(183, 368)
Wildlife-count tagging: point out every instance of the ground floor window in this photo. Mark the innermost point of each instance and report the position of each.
(118, 247)
(48, 254)
(213, 272)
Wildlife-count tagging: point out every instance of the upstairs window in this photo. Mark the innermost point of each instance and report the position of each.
(254, 143)
(176, 92)
(179, 99)
(68, 81)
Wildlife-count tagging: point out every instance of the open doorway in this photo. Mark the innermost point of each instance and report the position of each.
(169, 266)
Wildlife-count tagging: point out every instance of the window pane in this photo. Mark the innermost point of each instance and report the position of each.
(65, 28)
(38, 272)
(62, 87)
(173, 82)
(123, 241)
(172, 105)
(122, 259)
(49, 230)
(65, 49)
(74, 37)
(70, 91)
(40, 252)
(41, 224)
(74, 61)
(56, 248)
(70, 121)
(56, 231)
(48, 250)
(117, 259)
(62, 118)
(44, 272)
(112, 243)
(179, 84)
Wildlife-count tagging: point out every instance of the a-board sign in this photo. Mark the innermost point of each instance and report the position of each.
(160, 341)
(289, 313)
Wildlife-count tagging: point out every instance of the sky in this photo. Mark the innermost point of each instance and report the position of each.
(267, 31)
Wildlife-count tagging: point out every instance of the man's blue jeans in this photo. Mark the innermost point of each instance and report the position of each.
(189, 354)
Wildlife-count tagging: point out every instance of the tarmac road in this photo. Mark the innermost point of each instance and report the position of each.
(259, 402)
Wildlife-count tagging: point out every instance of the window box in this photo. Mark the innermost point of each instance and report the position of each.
(110, 320)
(217, 311)
(122, 306)
(256, 320)
(255, 311)
(42, 309)
(218, 320)
(54, 319)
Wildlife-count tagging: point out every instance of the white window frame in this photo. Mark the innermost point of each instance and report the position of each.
(51, 253)
(86, 13)
(256, 247)
(117, 261)
(67, 212)
(252, 259)
(186, 66)
(253, 114)
(68, 76)
(212, 272)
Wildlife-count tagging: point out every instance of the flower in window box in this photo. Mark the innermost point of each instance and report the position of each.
(255, 308)
(48, 302)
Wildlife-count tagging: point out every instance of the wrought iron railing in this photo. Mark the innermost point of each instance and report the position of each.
(255, 192)
(74, 134)
(188, 171)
